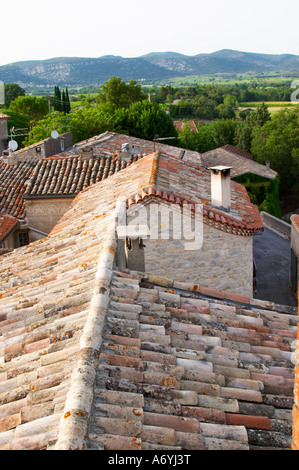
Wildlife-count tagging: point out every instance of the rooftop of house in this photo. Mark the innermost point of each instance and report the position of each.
(13, 187)
(179, 125)
(3, 116)
(7, 226)
(63, 175)
(94, 357)
(241, 161)
(111, 143)
(295, 221)
(85, 163)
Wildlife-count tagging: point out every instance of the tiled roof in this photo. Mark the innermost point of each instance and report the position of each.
(7, 226)
(13, 186)
(295, 221)
(183, 370)
(91, 357)
(3, 116)
(110, 143)
(240, 161)
(179, 125)
(67, 176)
(181, 183)
(237, 151)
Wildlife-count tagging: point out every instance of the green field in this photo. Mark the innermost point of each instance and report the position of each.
(273, 106)
(228, 79)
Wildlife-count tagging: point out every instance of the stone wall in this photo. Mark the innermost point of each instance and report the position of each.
(223, 262)
(46, 148)
(43, 214)
(277, 225)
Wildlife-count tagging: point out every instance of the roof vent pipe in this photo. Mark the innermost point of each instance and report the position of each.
(220, 187)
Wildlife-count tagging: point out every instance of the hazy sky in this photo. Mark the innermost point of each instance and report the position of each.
(43, 29)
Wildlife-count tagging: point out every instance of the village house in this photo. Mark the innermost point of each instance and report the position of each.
(45, 148)
(95, 355)
(179, 125)
(39, 186)
(242, 162)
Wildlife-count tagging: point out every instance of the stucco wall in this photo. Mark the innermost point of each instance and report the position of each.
(44, 214)
(224, 261)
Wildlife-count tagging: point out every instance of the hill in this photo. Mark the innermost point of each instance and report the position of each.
(80, 71)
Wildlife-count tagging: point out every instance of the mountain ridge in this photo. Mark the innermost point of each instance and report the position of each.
(154, 66)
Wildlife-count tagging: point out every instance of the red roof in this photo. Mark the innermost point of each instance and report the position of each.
(179, 125)
(7, 226)
(179, 182)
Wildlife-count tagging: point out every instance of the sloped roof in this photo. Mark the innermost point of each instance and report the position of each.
(68, 175)
(240, 161)
(7, 226)
(181, 369)
(110, 143)
(180, 182)
(91, 357)
(179, 125)
(13, 187)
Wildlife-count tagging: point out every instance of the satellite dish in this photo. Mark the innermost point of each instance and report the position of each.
(54, 135)
(13, 145)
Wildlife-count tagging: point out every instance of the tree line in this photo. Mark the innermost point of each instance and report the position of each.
(132, 110)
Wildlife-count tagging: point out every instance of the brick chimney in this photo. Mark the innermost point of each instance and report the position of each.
(220, 187)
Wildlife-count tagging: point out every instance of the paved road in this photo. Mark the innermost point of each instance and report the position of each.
(272, 257)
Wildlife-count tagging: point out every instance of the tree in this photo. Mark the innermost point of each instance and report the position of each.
(32, 106)
(12, 92)
(63, 102)
(18, 121)
(223, 131)
(57, 99)
(117, 94)
(278, 141)
(243, 137)
(67, 104)
(259, 117)
(145, 120)
(82, 123)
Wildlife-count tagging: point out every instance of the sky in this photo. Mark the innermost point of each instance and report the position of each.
(44, 29)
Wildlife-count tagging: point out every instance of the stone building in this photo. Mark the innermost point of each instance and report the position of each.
(98, 357)
(218, 252)
(45, 148)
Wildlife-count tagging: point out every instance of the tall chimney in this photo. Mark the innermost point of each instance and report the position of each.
(220, 187)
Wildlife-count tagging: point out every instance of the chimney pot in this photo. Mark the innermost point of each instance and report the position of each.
(220, 187)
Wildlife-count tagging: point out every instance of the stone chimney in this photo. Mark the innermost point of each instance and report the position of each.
(220, 187)
(3, 132)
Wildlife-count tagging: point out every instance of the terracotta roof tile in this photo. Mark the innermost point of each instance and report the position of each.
(67, 176)
(7, 226)
(97, 358)
(241, 162)
(13, 187)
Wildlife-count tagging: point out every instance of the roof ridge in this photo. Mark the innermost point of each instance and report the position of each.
(209, 212)
(76, 414)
